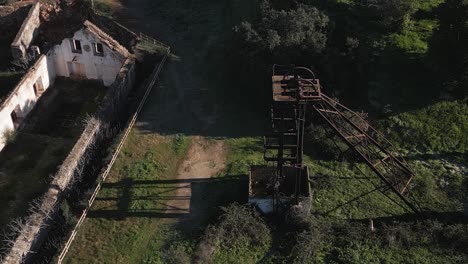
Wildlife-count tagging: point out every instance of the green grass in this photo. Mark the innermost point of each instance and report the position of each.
(122, 224)
(426, 241)
(151, 48)
(337, 189)
(439, 128)
(435, 147)
(103, 7)
(242, 153)
(127, 222)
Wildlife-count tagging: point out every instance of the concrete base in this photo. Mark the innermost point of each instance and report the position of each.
(261, 189)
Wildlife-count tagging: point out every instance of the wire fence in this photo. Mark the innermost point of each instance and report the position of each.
(102, 178)
(152, 40)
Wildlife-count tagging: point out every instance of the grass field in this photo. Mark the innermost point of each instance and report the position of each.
(129, 211)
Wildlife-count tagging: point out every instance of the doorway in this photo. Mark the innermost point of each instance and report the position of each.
(76, 69)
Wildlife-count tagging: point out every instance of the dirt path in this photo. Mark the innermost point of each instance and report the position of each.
(182, 103)
(205, 159)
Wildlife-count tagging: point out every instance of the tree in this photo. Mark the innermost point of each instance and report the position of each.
(302, 28)
(449, 46)
(392, 13)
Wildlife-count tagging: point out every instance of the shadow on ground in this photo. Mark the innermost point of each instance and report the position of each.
(158, 198)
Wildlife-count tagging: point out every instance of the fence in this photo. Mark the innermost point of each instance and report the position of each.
(102, 178)
(143, 36)
(147, 38)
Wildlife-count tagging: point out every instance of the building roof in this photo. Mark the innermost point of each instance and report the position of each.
(106, 39)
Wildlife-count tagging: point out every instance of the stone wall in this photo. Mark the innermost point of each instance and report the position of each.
(26, 34)
(108, 112)
(23, 97)
(27, 241)
(110, 108)
(11, 19)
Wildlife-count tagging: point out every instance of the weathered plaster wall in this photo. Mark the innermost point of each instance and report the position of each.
(36, 225)
(104, 68)
(26, 34)
(57, 62)
(23, 98)
(111, 107)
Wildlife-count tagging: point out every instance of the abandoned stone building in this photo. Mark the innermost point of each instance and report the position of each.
(86, 53)
(79, 69)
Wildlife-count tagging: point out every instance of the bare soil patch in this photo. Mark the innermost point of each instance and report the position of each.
(205, 159)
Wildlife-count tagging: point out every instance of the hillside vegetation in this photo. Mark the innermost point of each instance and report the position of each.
(388, 58)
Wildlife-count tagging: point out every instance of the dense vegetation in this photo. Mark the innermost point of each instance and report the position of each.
(381, 56)
(403, 62)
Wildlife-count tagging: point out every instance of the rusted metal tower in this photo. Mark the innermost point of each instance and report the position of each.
(295, 90)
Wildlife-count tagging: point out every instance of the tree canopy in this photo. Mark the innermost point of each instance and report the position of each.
(304, 27)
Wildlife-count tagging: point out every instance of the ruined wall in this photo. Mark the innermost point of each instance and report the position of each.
(110, 108)
(26, 242)
(86, 63)
(26, 34)
(11, 19)
(123, 35)
(23, 98)
(108, 112)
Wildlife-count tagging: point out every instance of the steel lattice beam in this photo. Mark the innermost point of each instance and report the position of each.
(370, 145)
(292, 93)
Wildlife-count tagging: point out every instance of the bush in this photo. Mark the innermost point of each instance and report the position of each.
(240, 236)
(177, 254)
(9, 136)
(179, 142)
(276, 30)
(70, 218)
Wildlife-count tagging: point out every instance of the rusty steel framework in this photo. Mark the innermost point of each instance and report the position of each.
(295, 89)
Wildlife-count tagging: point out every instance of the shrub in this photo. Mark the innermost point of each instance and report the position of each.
(240, 236)
(9, 136)
(179, 142)
(178, 254)
(307, 31)
(70, 218)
